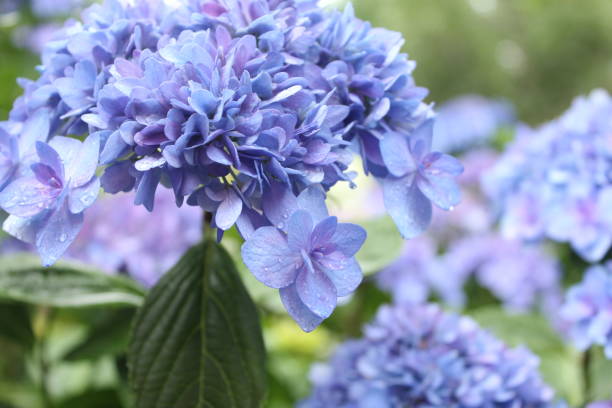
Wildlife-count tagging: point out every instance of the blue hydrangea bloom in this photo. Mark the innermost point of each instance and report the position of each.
(309, 256)
(420, 356)
(553, 182)
(600, 404)
(238, 106)
(46, 206)
(588, 309)
(470, 121)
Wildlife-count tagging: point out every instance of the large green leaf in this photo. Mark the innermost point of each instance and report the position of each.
(600, 375)
(383, 245)
(196, 342)
(15, 324)
(23, 279)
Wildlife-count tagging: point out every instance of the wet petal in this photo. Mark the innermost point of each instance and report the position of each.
(420, 140)
(26, 197)
(278, 204)
(299, 229)
(346, 279)
(324, 231)
(228, 211)
(407, 205)
(316, 291)
(83, 167)
(396, 155)
(313, 200)
(269, 258)
(83, 197)
(57, 234)
(349, 238)
(443, 191)
(307, 320)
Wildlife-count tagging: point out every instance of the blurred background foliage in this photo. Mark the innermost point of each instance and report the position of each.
(538, 54)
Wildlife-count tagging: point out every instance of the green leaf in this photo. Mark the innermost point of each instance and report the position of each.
(23, 279)
(109, 336)
(383, 245)
(559, 363)
(15, 324)
(196, 342)
(600, 375)
(107, 398)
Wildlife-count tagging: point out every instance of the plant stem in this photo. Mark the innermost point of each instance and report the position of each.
(586, 374)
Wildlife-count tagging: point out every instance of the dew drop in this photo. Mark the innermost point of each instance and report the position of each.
(63, 237)
(281, 225)
(451, 208)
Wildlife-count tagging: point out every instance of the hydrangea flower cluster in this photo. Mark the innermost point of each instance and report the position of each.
(240, 107)
(600, 404)
(424, 357)
(470, 121)
(588, 309)
(554, 181)
(127, 241)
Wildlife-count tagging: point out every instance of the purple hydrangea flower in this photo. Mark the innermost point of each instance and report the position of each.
(310, 258)
(46, 206)
(588, 309)
(553, 182)
(600, 404)
(420, 356)
(237, 105)
(470, 121)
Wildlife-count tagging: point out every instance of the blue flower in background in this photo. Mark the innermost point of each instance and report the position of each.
(418, 177)
(554, 182)
(470, 121)
(420, 356)
(46, 206)
(588, 310)
(309, 257)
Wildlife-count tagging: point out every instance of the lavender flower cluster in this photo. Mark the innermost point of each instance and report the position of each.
(588, 309)
(424, 357)
(555, 181)
(250, 109)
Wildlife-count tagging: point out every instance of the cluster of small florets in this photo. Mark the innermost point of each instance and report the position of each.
(423, 357)
(246, 108)
(554, 181)
(588, 309)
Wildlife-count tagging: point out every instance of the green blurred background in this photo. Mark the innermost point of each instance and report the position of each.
(538, 54)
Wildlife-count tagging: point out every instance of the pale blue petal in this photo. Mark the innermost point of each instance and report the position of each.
(57, 234)
(307, 320)
(420, 140)
(440, 163)
(83, 167)
(228, 211)
(349, 238)
(36, 128)
(312, 199)
(269, 258)
(299, 229)
(347, 279)
(396, 155)
(278, 204)
(51, 158)
(83, 197)
(316, 291)
(324, 231)
(408, 207)
(441, 190)
(24, 229)
(26, 197)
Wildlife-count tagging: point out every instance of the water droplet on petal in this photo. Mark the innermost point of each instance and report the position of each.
(281, 225)
(451, 208)
(63, 237)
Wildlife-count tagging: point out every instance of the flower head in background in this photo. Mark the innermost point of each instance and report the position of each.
(588, 310)
(470, 121)
(420, 356)
(600, 404)
(554, 182)
(236, 105)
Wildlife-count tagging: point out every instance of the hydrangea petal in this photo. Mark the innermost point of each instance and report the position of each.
(349, 238)
(316, 291)
(228, 211)
(59, 231)
(307, 320)
(346, 279)
(269, 258)
(410, 209)
(26, 197)
(83, 197)
(396, 155)
(299, 229)
(441, 190)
